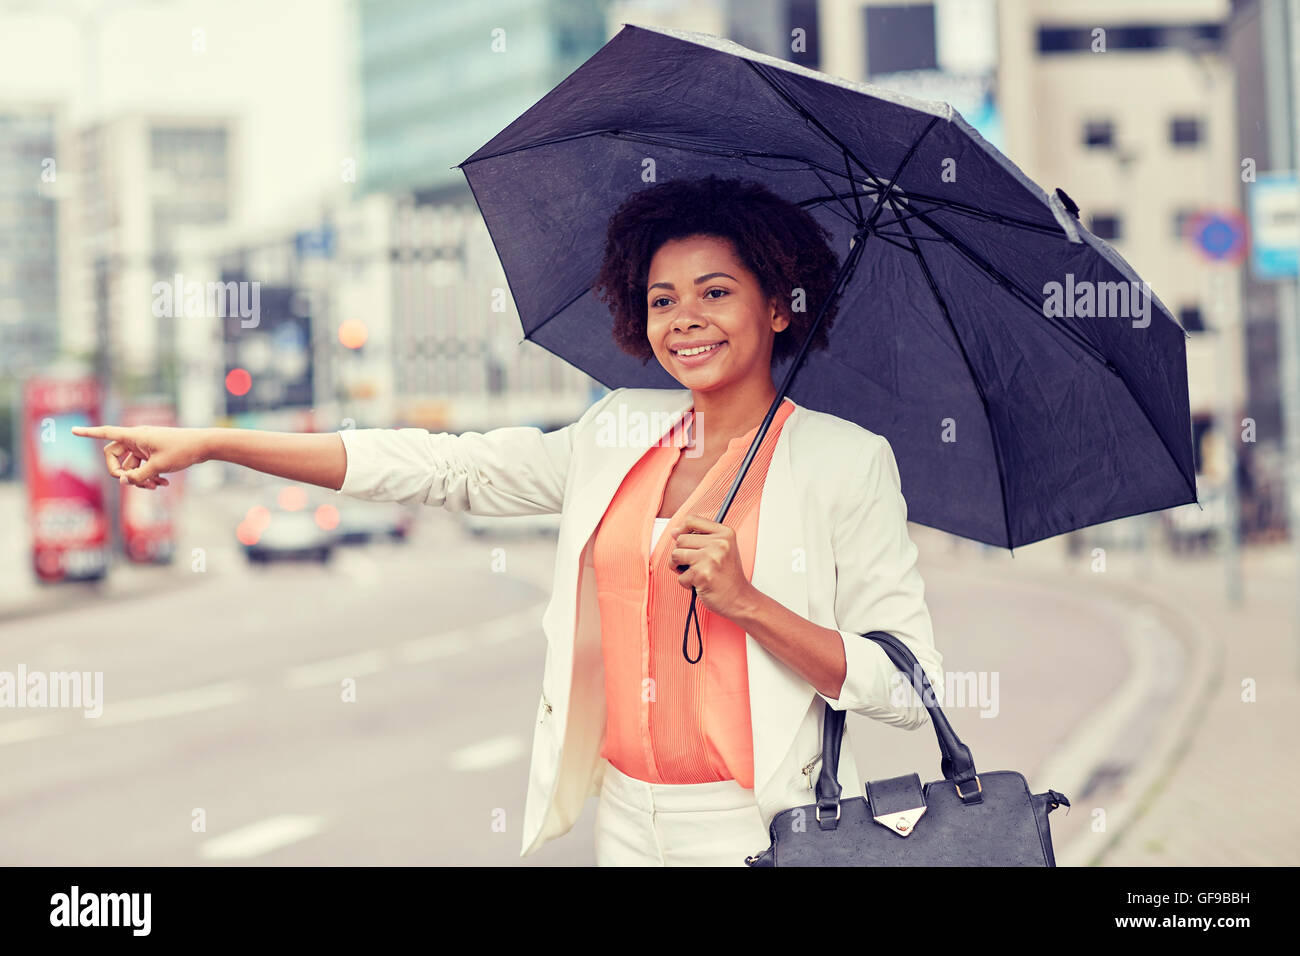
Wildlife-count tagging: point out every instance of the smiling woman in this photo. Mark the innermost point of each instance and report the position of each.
(717, 279)
(691, 757)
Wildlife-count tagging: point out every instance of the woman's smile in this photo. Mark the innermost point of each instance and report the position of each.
(691, 357)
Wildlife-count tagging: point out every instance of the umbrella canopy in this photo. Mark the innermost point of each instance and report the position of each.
(977, 327)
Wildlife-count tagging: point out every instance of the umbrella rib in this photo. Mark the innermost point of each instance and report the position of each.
(813, 121)
(837, 198)
(529, 335)
(659, 141)
(962, 209)
(977, 213)
(979, 387)
(1017, 293)
(979, 261)
(1024, 297)
(885, 197)
(899, 235)
(953, 240)
(1057, 230)
(885, 236)
(848, 174)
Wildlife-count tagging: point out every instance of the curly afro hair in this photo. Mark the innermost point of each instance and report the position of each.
(779, 242)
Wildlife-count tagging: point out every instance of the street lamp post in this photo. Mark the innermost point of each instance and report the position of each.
(1282, 49)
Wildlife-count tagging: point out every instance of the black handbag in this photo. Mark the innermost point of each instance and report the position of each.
(965, 819)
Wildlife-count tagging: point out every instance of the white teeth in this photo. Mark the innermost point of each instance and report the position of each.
(697, 351)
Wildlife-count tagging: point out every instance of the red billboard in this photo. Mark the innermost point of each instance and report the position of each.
(65, 479)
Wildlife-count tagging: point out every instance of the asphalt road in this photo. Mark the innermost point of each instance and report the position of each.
(224, 704)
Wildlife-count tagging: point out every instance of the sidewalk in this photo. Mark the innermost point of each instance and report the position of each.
(1226, 799)
(1213, 783)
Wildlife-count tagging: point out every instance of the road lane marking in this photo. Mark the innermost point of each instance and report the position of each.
(126, 711)
(262, 837)
(486, 754)
(449, 643)
(335, 669)
(434, 647)
(419, 650)
(502, 629)
(174, 702)
(30, 728)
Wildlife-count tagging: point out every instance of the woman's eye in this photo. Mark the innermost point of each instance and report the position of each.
(723, 291)
(654, 304)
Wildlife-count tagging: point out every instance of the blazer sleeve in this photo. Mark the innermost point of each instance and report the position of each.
(878, 588)
(516, 470)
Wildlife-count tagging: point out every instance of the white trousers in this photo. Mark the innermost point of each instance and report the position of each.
(676, 824)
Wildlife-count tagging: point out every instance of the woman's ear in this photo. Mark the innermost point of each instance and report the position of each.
(780, 319)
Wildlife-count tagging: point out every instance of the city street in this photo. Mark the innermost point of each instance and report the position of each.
(223, 697)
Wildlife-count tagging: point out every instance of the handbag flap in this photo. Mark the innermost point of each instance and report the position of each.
(897, 802)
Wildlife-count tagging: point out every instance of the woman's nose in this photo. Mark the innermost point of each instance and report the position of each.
(685, 319)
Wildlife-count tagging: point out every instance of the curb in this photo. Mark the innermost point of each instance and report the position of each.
(1205, 655)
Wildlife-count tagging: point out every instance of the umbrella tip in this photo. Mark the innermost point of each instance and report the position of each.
(1071, 206)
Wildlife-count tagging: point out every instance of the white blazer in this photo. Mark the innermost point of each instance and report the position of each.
(832, 546)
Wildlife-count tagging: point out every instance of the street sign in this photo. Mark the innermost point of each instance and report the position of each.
(1275, 225)
(315, 243)
(1219, 236)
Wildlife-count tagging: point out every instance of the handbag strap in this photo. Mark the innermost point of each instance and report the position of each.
(957, 763)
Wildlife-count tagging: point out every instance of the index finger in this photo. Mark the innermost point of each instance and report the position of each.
(97, 431)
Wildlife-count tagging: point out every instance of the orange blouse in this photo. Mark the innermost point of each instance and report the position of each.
(668, 720)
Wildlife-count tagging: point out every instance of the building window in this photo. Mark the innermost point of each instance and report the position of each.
(900, 37)
(1099, 134)
(802, 15)
(1129, 36)
(1185, 131)
(1190, 317)
(1105, 226)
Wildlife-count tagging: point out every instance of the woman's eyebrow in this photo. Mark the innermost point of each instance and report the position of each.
(703, 278)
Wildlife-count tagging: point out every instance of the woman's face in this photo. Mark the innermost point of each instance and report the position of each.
(699, 293)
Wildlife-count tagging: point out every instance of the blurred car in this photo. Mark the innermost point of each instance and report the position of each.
(515, 525)
(291, 522)
(362, 521)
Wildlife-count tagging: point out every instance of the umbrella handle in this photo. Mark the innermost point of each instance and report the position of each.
(685, 636)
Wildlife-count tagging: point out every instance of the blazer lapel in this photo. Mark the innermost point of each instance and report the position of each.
(778, 696)
(664, 408)
(587, 506)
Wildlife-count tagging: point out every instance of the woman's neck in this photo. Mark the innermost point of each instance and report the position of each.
(721, 416)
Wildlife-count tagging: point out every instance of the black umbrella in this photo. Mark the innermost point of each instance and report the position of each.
(969, 298)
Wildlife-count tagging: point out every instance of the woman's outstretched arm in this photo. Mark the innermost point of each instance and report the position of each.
(310, 458)
(515, 470)
(506, 471)
(141, 455)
